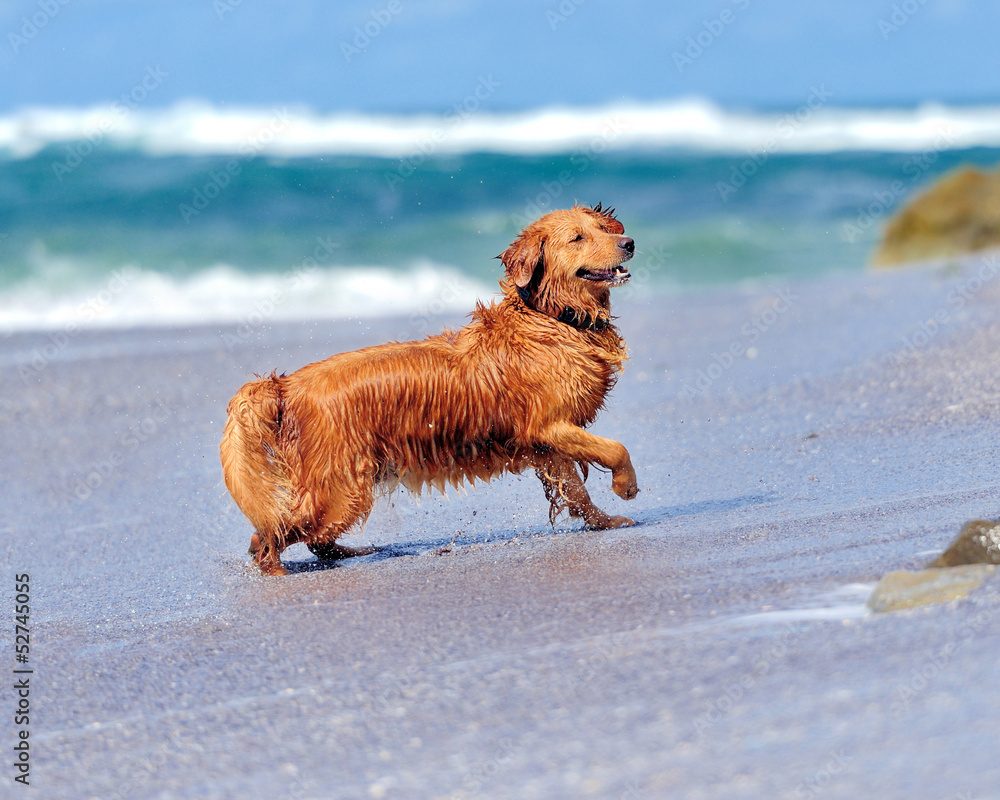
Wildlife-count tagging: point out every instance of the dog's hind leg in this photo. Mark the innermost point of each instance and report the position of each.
(266, 552)
(350, 508)
(565, 491)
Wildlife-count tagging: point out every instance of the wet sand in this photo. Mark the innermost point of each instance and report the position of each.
(721, 648)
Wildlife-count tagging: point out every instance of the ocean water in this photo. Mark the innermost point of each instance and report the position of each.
(117, 216)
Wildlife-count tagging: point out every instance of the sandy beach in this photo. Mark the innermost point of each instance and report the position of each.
(793, 442)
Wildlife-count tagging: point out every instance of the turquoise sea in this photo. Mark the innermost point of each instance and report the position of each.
(193, 214)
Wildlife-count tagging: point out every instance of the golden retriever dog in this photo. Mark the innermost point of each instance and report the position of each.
(303, 454)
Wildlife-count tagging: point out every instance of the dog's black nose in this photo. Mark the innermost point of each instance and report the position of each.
(626, 244)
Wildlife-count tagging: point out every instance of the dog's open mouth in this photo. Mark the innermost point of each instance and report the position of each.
(616, 276)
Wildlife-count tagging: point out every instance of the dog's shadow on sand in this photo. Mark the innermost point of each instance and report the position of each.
(466, 541)
(382, 553)
(469, 541)
(724, 505)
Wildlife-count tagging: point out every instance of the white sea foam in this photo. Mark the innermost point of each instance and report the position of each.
(130, 297)
(200, 128)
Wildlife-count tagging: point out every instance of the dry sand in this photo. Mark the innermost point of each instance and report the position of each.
(721, 648)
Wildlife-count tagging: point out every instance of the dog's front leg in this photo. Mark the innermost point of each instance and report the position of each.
(565, 491)
(579, 445)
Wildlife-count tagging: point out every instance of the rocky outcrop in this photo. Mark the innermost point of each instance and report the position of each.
(967, 562)
(958, 214)
(978, 543)
(900, 590)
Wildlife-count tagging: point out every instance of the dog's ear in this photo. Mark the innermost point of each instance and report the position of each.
(523, 257)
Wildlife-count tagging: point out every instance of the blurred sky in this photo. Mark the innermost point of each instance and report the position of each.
(428, 55)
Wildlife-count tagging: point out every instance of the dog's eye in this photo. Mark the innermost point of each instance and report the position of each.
(579, 238)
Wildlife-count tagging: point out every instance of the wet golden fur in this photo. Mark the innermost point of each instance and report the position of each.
(304, 453)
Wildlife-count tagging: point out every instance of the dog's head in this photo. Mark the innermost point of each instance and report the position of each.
(569, 260)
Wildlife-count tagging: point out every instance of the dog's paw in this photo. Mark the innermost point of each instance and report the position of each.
(274, 567)
(600, 521)
(624, 484)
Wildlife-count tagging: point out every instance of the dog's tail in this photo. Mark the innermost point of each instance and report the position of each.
(256, 470)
